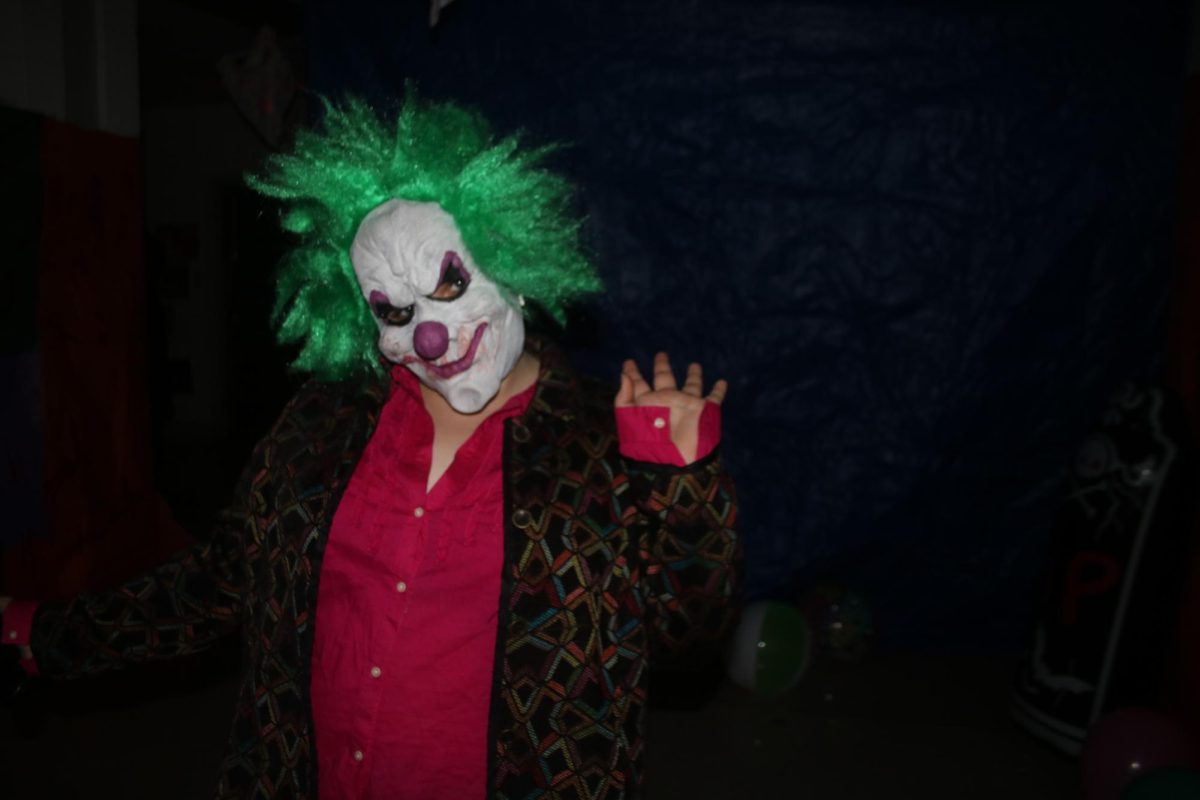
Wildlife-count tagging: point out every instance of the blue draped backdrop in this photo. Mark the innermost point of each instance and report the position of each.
(922, 243)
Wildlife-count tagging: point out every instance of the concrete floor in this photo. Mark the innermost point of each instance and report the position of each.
(889, 727)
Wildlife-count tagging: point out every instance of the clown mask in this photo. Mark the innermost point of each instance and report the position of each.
(438, 314)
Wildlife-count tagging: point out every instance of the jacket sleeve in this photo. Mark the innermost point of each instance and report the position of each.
(180, 607)
(691, 556)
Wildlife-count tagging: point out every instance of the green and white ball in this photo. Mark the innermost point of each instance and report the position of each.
(770, 649)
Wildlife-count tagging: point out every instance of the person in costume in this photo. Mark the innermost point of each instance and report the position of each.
(452, 561)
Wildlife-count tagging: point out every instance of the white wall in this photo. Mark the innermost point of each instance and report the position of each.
(73, 60)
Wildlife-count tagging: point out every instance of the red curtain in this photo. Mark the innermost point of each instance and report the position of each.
(106, 521)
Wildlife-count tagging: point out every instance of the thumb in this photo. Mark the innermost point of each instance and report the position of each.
(624, 396)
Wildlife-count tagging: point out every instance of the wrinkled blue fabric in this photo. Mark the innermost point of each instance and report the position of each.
(922, 244)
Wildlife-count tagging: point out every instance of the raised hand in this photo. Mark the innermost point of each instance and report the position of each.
(685, 404)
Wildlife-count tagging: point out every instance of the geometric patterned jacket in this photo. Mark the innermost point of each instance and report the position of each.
(608, 564)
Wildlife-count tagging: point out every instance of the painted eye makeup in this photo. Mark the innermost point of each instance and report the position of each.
(388, 313)
(454, 279)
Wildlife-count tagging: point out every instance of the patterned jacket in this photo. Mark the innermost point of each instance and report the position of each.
(608, 564)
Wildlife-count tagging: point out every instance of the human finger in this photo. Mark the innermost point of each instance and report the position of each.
(624, 392)
(664, 378)
(639, 384)
(693, 384)
(717, 395)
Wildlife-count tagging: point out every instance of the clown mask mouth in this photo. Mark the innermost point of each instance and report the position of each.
(432, 339)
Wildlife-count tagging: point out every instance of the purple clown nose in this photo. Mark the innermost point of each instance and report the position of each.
(431, 339)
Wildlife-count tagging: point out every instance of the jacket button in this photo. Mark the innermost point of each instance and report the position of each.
(522, 518)
(519, 432)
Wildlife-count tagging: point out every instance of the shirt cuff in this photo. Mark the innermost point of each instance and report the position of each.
(18, 628)
(644, 434)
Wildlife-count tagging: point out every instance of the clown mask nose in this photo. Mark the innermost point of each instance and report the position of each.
(430, 340)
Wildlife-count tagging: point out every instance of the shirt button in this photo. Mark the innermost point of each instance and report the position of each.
(358, 756)
(659, 422)
(418, 512)
(376, 672)
(12, 634)
(401, 587)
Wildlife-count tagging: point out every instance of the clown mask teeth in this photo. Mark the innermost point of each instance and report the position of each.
(449, 368)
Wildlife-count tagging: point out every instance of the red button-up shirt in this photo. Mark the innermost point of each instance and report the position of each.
(407, 612)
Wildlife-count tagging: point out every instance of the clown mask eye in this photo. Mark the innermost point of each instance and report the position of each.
(388, 313)
(454, 279)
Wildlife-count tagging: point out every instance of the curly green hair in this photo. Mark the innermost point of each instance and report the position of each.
(514, 217)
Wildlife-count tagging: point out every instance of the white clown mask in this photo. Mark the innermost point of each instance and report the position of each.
(438, 314)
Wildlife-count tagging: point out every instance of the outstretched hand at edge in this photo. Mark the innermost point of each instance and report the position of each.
(25, 651)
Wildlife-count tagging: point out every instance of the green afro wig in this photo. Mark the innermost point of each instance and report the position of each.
(514, 217)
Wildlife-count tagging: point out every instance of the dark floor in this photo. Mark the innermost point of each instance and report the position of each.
(890, 727)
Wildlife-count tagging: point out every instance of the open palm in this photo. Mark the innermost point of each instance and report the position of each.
(685, 403)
